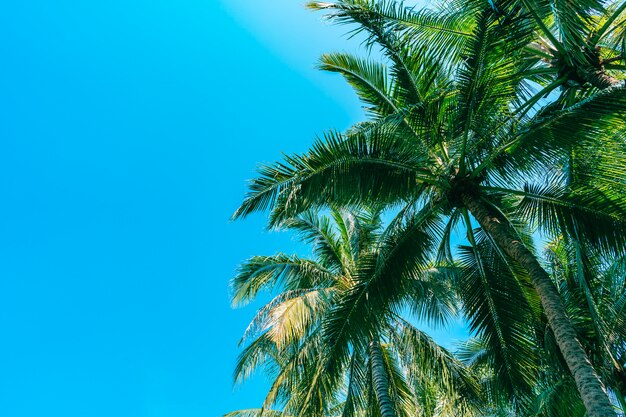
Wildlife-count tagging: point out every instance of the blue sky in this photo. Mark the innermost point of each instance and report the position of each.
(128, 129)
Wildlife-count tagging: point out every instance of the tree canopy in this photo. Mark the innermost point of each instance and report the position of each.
(503, 121)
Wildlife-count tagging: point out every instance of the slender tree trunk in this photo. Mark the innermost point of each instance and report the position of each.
(589, 385)
(381, 383)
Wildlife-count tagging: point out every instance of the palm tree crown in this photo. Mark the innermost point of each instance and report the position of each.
(461, 132)
(336, 339)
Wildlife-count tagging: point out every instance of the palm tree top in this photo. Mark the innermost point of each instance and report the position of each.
(465, 120)
(342, 311)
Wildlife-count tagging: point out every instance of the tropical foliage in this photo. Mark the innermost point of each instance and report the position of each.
(337, 340)
(503, 120)
(593, 289)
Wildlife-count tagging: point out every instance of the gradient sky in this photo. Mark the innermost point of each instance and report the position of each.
(127, 131)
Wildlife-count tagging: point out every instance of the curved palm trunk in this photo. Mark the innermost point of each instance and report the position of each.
(589, 386)
(379, 377)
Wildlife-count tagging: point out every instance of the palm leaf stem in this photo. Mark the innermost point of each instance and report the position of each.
(538, 51)
(614, 59)
(519, 113)
(609, 22)
(544, 28)
(542, 93)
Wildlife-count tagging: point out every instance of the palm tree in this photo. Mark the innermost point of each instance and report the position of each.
(575, 47)
(455, 137)
(594, 295)
(572, 47)
(594, 291)
(335, 338)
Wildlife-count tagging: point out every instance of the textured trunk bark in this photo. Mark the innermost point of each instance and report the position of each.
(589, 386)
(602, 80)
(379, 377)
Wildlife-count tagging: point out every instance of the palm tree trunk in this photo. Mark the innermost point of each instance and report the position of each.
(589, 385)
(379, 377)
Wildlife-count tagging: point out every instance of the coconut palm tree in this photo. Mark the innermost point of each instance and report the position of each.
(588, 278)
(571, 47)
(594, 292)
(454, 139)
(335, 339)
(574, 46)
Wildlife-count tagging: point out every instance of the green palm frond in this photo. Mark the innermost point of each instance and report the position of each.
(486, 83)
(257, 354)
(500, 314)
(368, 78)
(317, 231)
(558, 399)
(548, 136)
(356, 389)
(426, 362)
(266, 272)
(311, 180)
(399, 388)
(377, 287)
(583, 213)
(366, 14)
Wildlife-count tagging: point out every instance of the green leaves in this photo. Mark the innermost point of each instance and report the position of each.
(549, 136)
(499, 312)
(516, 105)
(368, 78)
(345, 170)
(315, 336)
(267, 272)
(584, 213)
(426, 361)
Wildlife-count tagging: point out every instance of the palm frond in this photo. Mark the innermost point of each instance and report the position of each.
(377, 163)
(267, 272)
(583, 213)
(500, 314)
(368, 78)
(549, 136)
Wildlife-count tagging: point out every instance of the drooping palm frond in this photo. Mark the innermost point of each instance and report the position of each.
(368, 78)
(288, 317)
(315, 342)
(319, 232)
(267, 272)
(356, 389)
(500, 313)
(558, 398)
(586, 214)
(400, 391)
(426, 361)
(339, 163)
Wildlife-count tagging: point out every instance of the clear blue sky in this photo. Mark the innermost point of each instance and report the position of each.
(127, 131)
